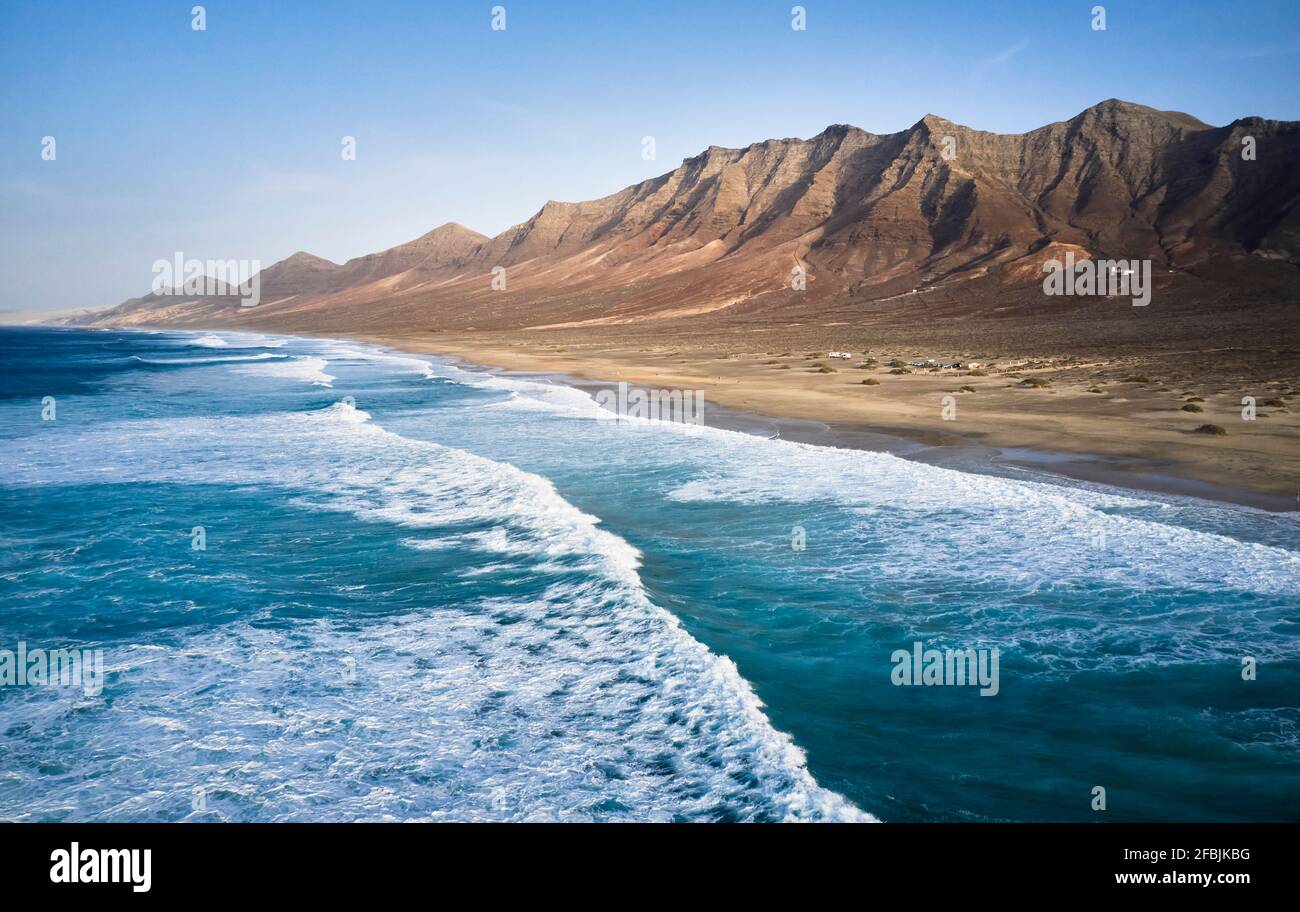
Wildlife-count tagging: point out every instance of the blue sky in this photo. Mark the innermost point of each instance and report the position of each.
(225, 143)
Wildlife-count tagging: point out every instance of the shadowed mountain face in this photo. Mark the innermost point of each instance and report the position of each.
(938, 207)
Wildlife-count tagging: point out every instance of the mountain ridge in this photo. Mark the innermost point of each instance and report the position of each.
(866, 217)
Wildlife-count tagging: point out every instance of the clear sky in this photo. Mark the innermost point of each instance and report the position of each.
(225, 143)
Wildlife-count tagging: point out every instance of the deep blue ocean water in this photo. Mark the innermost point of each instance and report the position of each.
(431, 593)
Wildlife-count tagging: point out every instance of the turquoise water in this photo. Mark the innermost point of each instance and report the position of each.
(433, 593)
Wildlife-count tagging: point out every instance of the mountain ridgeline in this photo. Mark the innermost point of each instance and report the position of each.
(863, 217)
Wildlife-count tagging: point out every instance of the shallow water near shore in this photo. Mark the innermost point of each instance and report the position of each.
(435, 593)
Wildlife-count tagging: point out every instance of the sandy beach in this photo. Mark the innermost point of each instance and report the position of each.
(1111, 421)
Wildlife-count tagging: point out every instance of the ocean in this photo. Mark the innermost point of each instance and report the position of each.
(334, 582)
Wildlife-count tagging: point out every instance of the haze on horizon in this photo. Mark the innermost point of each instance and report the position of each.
(225, 143)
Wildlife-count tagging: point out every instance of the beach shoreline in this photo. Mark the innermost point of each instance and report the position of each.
(981, 452)
(1050, 454)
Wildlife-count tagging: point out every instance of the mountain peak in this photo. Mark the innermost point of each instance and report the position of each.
(303, 258)
(1119, 104)
(839, 131)
(1113, 108)
(448, 231)
(933, 122)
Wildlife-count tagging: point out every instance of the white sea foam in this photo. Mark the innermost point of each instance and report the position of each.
(223, 339)
(486, 687)
(220, 359)
(1024, 521)
(307, 369)
(1042, 530)
(928, 538)
(405, 362)
(585, 702)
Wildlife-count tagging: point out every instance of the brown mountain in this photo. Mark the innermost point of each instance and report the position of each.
(938, 207)
(437, 254)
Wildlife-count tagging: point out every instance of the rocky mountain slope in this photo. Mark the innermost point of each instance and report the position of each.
(938, 207)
